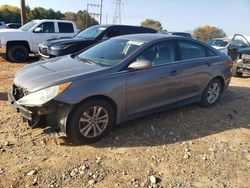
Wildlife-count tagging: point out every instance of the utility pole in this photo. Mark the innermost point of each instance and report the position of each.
(117, 15)
(101, 12)
(23, 12)
(107, 18)
(94, 14)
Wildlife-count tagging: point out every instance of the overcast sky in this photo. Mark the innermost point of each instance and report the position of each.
(175, 15)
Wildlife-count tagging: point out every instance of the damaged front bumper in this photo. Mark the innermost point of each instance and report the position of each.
(52, 111)
(243, 64)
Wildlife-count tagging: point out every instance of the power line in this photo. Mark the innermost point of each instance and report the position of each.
(94, 14)
(117, 15)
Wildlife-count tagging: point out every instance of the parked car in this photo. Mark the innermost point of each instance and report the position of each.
(18, 43)
(2, 25)
(242, 63)
(13, 26)
(238, 48)
(183, 34)
(86, 38)
(118, 80)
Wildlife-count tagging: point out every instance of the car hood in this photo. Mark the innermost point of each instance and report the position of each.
(219, 47)
(62, 41)
(47, 73)
(11, 30)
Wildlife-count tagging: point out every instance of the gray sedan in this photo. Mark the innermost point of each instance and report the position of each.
(118, 80)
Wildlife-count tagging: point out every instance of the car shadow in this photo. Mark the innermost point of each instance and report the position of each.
(3, 96)
(182, 124)
(32, 58)
(245, 76)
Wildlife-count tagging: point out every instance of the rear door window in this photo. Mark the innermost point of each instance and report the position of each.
(191, 50)
(47, 27)
(113, 32)
(160, 54)
(65, 27)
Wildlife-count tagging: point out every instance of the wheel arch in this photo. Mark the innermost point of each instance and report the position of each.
(222, 80)
(17, 42)
(102, 97)
(64, 113)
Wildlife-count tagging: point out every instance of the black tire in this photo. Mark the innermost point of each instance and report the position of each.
(73, 123)
(18, 53)
(205, 96)
(235, 72)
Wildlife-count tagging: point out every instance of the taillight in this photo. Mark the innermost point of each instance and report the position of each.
(229, 63)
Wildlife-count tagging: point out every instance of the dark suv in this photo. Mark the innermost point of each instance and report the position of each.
(86, 38)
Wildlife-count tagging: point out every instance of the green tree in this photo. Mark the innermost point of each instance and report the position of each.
(154, 24)
(80, 18)
(41, 13)
(207, 32)
(10, 14)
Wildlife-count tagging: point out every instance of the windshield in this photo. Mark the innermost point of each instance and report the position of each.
(217, 42)
(91, 33)
(110, 52)
(28, 25)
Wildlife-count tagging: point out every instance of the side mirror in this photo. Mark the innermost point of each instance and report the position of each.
(38, 30)
(140, 65)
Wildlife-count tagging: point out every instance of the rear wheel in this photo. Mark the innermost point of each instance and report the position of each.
(90, 121)
(212, 93)
(18, 53)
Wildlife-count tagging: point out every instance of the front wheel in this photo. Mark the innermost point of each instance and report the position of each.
(18, 53)
(212, 93)
(90, 121)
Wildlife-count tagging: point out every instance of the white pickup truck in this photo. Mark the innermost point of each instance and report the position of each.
(18, 43)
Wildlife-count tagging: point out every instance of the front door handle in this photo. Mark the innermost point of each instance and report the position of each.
(209, 64)
(173, 73)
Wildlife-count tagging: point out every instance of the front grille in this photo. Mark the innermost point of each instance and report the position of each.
(17, 92)
(44, 50)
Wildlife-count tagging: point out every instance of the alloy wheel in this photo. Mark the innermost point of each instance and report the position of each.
(213, 93)
(93, 121)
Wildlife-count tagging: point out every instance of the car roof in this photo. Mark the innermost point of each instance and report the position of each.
(114, 25)
(147, 37)
(13, 23)
(225, 39)
(52, 20)
(178, 32)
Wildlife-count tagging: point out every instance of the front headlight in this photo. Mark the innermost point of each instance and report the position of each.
(40, 97)
(60, 47)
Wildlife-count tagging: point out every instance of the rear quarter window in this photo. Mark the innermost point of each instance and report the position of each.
(65, 27)
(191, 50)
(211, 53)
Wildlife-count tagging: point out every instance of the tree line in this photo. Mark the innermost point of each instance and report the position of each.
(11, 14)
(203, 33)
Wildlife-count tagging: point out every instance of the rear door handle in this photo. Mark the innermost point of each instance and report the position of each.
(173, 73)
(209, 64)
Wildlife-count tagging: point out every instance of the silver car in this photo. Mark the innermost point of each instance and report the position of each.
(118, 80)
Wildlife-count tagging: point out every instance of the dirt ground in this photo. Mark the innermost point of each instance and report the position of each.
(186, 147)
